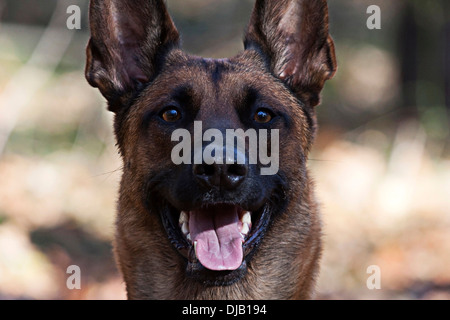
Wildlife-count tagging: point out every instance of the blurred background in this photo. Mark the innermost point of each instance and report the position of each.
(381, 162)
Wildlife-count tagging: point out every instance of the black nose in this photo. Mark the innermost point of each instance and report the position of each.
(228, 176)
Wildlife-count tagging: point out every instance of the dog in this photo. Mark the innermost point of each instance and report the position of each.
(214, 227)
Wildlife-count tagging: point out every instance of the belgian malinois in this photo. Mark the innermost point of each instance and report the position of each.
(214, 229)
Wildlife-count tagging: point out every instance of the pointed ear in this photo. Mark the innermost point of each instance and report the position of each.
(127, 39)
(293, 35)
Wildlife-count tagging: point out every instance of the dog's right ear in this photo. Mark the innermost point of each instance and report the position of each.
(127, 39)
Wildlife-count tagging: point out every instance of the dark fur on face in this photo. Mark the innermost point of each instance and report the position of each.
(134, 58)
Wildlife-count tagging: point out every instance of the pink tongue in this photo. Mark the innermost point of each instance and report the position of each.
(219, 242)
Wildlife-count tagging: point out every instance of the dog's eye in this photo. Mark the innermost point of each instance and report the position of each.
(263, 116)
(170, 114)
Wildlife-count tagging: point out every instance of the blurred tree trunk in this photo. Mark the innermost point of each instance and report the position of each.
(407, 52)
(423, 48)
(447, 55)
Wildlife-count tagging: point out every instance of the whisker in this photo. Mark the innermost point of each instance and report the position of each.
(108, 173)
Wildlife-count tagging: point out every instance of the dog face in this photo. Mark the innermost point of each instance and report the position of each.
(210, 216)
(221, 95)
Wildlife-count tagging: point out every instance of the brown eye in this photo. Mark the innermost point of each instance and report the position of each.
(263, 116)
(171, 114)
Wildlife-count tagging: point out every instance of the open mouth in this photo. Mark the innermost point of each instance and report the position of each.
(216, 240)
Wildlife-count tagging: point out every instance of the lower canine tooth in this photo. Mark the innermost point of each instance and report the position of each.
(245, 228)
(184, 228)
(195, 247)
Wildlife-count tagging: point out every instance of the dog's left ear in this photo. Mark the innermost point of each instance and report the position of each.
(293, 36)
(127, 39)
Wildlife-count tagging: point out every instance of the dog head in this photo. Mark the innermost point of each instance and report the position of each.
(213, 198)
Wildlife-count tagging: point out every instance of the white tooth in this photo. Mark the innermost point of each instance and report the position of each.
(245, 228)
(188, 236)
(247, 217)
(195, 247)
(183, 217)
(185, 228)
